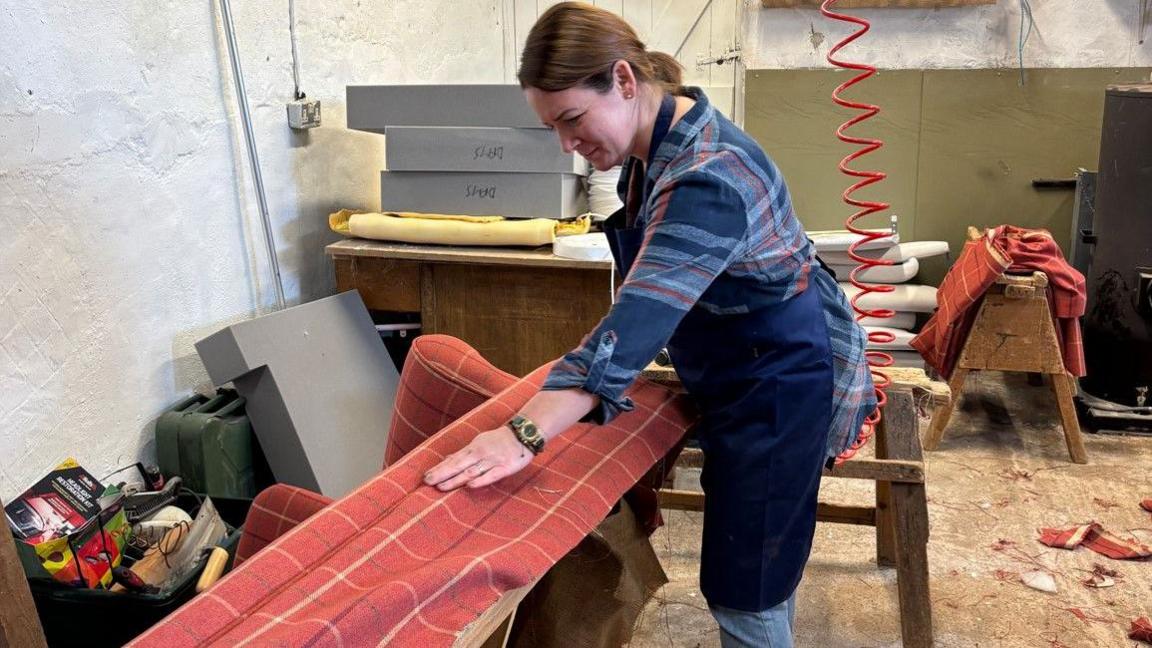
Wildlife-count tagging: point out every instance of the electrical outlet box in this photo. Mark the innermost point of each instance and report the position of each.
(304, 114)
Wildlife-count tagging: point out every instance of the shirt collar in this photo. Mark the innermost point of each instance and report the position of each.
(683, 133)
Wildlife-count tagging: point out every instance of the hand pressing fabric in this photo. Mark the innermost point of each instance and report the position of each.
(490, 457)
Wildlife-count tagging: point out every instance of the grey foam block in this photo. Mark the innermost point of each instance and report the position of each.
(451, 148)
(374, 107)
(513, 195)
(319, 386)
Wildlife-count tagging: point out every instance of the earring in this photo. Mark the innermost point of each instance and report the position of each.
(628, 95)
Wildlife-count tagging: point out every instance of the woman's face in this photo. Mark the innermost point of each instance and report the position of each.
(600, 127)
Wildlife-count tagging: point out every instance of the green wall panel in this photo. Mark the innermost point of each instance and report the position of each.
(962, 146)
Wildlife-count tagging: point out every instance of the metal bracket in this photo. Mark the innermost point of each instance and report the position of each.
(732, 54)
(1143, 21)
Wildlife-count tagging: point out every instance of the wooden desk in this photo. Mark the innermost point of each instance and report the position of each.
(520, 308)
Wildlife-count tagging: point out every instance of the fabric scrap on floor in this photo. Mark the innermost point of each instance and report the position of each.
(1094, 537)
(1141, 630)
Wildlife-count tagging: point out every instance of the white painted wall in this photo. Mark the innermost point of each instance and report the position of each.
(1067, 34)
(128, 225)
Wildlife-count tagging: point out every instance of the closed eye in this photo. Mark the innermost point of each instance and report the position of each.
(572, 121)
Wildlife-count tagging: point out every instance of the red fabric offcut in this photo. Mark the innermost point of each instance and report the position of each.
(399, 563)
(1141, 630)
(1003, 249)
(1094, 537)
(1146, 505)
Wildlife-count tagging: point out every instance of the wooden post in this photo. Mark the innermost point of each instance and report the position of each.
(19, 624)
(1062, 384)
(885, 529)
(909, 510)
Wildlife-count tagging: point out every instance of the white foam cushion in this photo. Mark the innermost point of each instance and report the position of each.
(893, 274)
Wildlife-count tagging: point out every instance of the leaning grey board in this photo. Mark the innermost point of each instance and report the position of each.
(374, 107)
(319, 386)
(512, 195)
(456, 148)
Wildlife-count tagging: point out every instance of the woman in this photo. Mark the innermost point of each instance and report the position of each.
(719, 271)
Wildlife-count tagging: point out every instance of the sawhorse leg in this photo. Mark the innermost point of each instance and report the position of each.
(902, 512)
(943, 413)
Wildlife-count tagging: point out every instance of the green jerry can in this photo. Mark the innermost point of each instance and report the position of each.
(208, 442)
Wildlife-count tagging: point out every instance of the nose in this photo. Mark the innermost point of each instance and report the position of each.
(569, 142)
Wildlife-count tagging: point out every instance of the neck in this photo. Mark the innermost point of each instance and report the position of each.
(646, 111)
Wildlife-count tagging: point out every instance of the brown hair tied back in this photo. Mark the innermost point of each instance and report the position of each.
(576, 44)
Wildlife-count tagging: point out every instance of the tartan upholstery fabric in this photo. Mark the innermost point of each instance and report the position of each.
(399, 563)
(443, 379)
(1003, 249)
(275, 510)
(1093, 536)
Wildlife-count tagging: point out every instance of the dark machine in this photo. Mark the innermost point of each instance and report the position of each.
(1113, 247)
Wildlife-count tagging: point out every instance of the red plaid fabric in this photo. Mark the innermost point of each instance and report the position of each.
(276, 510)
(398, 563)
(1093, 536)
(443, 379)
(1003, 249)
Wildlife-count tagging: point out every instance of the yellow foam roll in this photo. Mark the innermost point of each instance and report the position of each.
(451, 229)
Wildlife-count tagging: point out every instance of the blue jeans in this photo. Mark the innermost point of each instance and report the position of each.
(771, 628)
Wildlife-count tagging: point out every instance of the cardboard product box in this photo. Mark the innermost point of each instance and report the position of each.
(70, 526)
(512, 195)
(450, 148)
(374, 107)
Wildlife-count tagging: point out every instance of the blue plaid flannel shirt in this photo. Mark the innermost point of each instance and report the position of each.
(719, 234)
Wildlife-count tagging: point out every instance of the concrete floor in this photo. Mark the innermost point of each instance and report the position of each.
(1001, 472)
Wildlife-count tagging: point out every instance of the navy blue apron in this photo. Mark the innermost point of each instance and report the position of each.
(763, 382)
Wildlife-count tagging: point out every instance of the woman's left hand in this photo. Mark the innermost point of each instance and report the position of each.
(490, 457)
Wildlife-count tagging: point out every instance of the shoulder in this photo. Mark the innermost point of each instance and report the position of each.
(724, 167)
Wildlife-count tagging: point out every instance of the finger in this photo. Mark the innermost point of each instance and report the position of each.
(451, 466)
(463, 477)
(492, 476)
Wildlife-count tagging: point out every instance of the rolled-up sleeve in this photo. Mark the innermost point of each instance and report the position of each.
(697, 225)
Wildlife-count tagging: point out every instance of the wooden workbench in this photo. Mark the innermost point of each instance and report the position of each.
(520, 308)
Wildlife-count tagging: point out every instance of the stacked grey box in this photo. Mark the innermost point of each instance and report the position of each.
(467, 149)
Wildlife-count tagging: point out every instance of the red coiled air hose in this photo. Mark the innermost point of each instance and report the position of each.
(876, 359)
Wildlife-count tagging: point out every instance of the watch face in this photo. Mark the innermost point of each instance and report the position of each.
(528, 433)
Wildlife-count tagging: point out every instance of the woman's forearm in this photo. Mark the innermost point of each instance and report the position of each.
(554, 411)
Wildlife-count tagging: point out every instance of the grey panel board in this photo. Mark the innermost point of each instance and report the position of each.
(374, 107)
(455, 148)
(513, 195)
(319, 386)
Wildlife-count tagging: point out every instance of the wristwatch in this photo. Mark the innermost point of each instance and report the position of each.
(527, 433)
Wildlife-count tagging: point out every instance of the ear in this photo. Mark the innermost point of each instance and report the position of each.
(625, 78)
